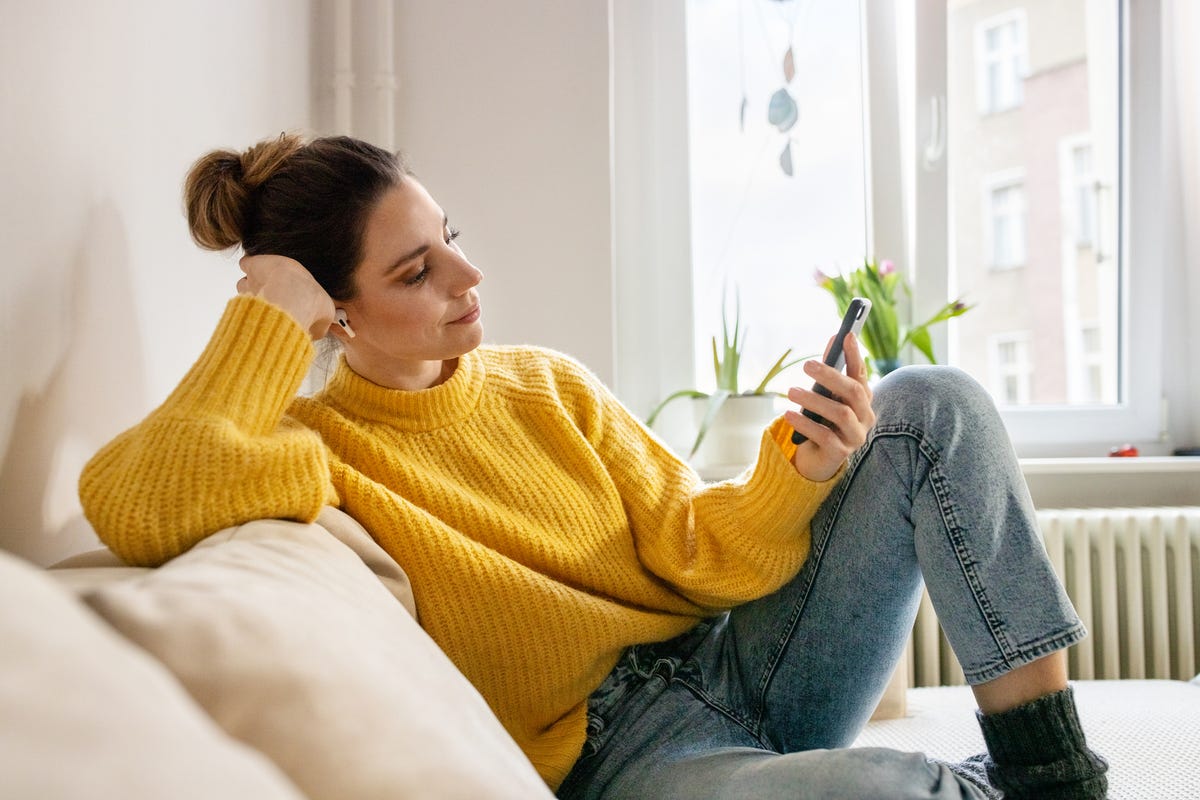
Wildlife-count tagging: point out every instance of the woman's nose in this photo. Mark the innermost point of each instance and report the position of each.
(469, 277)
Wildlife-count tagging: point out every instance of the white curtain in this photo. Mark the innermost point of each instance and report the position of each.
(1181, 70)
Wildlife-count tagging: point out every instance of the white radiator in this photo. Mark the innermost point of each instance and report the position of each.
(1134, 577)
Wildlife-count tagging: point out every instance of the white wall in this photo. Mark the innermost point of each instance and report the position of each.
(503, 108)
(104, 300)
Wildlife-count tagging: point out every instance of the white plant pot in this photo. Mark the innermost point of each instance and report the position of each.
(733, 439)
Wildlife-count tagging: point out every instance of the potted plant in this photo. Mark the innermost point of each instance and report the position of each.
(736, 426)
(884, 335)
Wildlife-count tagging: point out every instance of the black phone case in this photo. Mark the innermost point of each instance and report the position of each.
(836, 358)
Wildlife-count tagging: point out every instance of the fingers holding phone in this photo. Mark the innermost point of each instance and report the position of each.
(845, 415)
(837, 410)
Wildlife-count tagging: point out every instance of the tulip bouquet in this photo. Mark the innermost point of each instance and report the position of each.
(884, 335)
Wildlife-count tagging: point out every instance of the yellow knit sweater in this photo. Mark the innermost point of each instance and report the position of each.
(544, 528)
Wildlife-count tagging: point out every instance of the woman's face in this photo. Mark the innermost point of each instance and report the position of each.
(416, 308)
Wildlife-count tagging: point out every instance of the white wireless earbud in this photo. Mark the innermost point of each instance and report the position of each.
(344, 321)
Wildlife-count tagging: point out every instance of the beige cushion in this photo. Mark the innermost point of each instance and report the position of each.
(83, 713)
(284, 636)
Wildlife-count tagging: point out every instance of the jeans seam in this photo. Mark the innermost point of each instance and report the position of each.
(962, 553)
(1026, 653)
(701, 694)
(815, 554)
(931, 454)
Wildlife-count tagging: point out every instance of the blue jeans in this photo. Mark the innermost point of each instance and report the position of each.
(758, 701)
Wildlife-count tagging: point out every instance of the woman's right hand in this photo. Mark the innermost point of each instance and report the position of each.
(286, 283)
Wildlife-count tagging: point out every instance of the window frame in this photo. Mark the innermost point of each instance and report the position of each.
(1139, 415)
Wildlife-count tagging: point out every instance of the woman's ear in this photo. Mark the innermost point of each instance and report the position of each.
(342, 319)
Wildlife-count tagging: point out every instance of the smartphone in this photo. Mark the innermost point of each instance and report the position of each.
(856, 315)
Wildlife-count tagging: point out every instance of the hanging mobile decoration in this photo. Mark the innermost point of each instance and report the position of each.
(785, 158)
(782, 110)
(783, 113)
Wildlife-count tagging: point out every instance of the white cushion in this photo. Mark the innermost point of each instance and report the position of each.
(287, 639)
(83, 713)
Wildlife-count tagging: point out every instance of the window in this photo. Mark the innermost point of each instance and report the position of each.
(1000, 61)
(1098, 385)
(1004, 200)
(1065, 185)
(1039, 165)
(1082, 191)
(1011, 370)
(777, 170)
(1087, 120)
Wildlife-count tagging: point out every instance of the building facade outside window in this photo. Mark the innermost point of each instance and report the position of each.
(1039, 164)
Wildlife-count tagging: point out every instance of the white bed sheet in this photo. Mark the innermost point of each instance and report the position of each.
(1149, 730)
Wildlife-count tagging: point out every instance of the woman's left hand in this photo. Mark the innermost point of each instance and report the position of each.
(848, 413)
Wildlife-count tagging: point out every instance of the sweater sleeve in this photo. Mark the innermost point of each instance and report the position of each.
(718, 544)
(219, 451)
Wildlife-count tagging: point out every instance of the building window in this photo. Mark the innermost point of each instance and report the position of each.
(1001, 61)
(1004, 214)
(1094, 383)
(1082, 191)
(1011, 369)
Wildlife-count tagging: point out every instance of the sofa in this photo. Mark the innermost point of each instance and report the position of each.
(283, 660)
(272, 660)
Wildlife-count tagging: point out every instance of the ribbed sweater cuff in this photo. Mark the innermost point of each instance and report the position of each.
(251, 369)
(779, 499)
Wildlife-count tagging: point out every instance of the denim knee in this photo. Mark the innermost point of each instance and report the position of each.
(933, 397)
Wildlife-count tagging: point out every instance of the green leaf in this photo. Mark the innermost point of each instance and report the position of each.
(779, 367)
(673, 396)
(715, 401)
(920, 339)
(949, 311)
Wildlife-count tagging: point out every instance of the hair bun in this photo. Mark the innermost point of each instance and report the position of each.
(219, 187)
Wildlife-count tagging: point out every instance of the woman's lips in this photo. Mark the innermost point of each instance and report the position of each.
(469, 317)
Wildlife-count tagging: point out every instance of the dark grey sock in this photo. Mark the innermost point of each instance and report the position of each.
(1039, 750)
(974, 771)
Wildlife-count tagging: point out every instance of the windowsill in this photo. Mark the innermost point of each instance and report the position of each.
(1106, 481)
(1093, 482)
(1109, 465)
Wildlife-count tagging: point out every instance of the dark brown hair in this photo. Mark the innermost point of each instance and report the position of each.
(307, 201)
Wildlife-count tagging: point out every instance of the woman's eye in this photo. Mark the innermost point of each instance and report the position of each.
(452, 234)
(419, 278)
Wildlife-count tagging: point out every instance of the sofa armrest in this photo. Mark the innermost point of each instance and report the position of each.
(294, 645)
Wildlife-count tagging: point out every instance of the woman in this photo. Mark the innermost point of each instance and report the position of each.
(575, 570)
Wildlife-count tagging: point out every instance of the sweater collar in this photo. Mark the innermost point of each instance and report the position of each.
(425, 409)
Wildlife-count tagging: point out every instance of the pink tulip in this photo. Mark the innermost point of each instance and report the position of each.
(886, 267)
